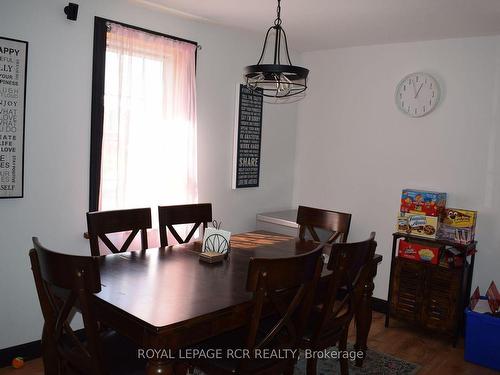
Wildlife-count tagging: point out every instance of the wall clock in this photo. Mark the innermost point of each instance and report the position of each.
(417, 94)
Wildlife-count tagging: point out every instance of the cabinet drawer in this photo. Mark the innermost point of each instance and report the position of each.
(441, 296)
(406, 299)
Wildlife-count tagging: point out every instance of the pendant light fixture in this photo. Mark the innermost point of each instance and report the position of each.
(277, 81)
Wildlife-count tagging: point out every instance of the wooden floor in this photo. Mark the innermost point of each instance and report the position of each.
(435, 354)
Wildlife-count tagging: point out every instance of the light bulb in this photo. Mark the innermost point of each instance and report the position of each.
(282, 85)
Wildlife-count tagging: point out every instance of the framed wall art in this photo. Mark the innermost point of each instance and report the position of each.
(13, 63)
(247, 139)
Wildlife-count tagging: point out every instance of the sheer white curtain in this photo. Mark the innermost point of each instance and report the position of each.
(149, 130)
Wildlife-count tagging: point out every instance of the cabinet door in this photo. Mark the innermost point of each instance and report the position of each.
(407, 288)
(441, 295)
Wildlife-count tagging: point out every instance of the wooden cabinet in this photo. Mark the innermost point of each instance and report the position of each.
(427, 295)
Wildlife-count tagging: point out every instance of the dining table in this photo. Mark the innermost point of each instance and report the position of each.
(168, 299)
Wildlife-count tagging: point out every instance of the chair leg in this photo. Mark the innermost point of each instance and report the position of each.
(343, 339)
(290, 369)
(311, 366)
(51, 362)
(181, 369)
(344, 362)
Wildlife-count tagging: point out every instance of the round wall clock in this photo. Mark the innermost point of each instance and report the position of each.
(417, 94)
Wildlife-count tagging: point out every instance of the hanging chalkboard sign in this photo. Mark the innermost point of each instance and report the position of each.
(13, 60)
(248, 135)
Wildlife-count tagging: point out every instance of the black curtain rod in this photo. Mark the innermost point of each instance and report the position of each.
(151, 32)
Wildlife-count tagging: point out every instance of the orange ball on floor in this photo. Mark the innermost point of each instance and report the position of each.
(18, 362)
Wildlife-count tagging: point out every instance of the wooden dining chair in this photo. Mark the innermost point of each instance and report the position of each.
(330, 318)
(336, 223)
(64, 282)
(102, 223)
(282, 291)
(196, 214)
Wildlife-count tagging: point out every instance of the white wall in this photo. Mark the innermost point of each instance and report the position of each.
(58, 138)
(356, 151)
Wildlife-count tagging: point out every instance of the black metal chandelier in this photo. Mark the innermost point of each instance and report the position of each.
(275, 81)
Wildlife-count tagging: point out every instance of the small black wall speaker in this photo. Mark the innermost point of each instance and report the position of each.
(71, 11)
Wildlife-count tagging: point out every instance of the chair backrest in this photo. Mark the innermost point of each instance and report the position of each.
(168, 216)
(350, 264)
(63, 281)
(337, 223)
(283, 288)
(101, 223)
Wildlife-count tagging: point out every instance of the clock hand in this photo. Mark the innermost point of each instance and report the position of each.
(414, 90)
(418, 90)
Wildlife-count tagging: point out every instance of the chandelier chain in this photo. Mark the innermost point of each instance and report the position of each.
(277, 21)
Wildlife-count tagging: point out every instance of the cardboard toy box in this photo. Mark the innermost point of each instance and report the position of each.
(429, 203)
(418, 251)
(418, 225)
(458, 225)
(459, 218)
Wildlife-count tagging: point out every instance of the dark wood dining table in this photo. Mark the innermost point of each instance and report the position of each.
(166, 298)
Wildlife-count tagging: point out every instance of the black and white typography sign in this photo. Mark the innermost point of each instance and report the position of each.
(248, 137)
(13, 59)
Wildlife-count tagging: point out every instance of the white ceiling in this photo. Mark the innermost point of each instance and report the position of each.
(324, 24)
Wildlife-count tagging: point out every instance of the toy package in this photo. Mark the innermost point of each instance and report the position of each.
(418, 225)
(459, 218)
(428, 203)
(418, 251)
(451, 258)
(458, 225)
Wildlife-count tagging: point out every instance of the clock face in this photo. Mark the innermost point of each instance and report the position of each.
(417, 94)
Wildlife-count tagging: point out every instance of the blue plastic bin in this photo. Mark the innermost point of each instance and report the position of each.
(482, 343)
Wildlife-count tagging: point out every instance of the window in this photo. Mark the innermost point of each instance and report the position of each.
(143, 141)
